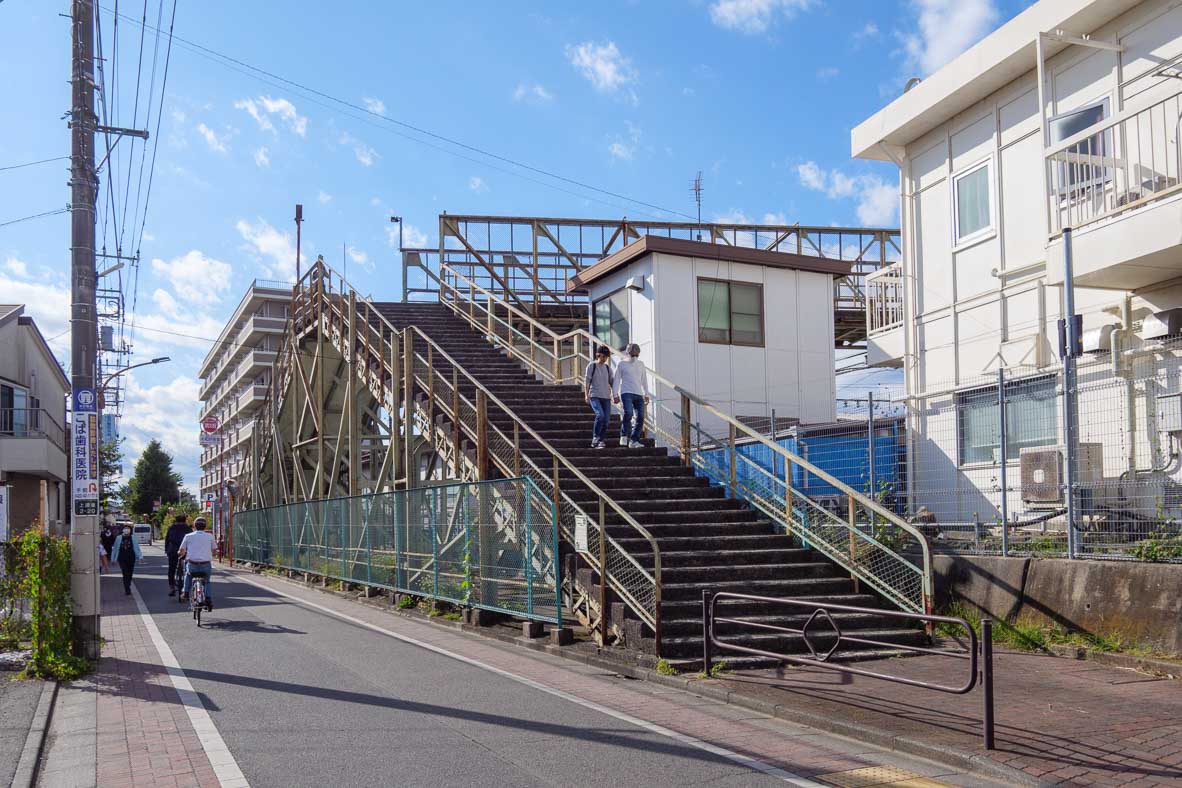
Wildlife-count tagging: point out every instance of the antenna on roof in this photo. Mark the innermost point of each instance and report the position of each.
(697, 190)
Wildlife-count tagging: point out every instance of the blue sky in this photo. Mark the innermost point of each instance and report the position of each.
(631, 97)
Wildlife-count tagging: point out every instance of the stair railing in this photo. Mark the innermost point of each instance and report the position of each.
(875, 545)
(495, 444)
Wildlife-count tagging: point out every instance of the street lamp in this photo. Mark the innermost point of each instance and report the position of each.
(119, 372)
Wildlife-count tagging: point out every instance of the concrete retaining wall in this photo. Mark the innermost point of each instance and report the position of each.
(1142, 602)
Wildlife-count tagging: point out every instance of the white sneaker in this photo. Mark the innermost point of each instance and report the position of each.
(624, 440)
(635, 445)
(599, 445)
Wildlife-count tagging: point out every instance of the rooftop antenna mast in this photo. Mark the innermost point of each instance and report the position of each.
(697, 190)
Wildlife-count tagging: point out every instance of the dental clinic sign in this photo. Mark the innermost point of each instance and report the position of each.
(84, 452)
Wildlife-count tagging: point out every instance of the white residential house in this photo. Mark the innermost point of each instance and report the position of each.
(33, 427)
(1069, 115)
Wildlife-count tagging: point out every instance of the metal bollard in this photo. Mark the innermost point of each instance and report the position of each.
(706, 627)
(987, 678)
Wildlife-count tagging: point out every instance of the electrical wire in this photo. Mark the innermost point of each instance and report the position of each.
(365, 111)
(34, 216)
(31, 163)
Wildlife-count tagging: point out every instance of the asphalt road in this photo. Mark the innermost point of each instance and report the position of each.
(304, 699)
(18, 702)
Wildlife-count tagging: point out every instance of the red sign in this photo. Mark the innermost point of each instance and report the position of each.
(209, 425)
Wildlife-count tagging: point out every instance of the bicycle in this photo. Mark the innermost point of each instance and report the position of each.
(197, 594)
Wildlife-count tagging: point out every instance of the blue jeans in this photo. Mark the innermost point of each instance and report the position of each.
(633, 414)
(603, 411)
(200, 567)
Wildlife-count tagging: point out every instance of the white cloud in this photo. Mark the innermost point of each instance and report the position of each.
(376, 106)
(360, 257)
(619, 150)
(194, 277)
(878, 201)
(532, 94)
(49, 306)
(868, 30)
(945, 29)
(412, 237)
(624, 147)
(826, 73)
(215, 143)
(262, 157)
(602, 65)
(775, 218)
(754, 16)
(17, 267)
(274, 250)
(264, 106)
(364, 153)
(324, 197)
(168, 413)
(477, 184)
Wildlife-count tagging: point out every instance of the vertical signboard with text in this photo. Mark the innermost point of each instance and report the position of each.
(84, 453)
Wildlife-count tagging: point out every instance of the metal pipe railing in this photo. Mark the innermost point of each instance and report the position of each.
(568, 351)
(822, 610)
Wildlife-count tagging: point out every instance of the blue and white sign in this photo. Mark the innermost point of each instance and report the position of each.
(84, 452)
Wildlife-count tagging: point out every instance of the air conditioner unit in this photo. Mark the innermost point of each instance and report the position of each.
(1042, 475)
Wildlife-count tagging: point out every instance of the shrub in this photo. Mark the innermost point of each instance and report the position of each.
(43, 569)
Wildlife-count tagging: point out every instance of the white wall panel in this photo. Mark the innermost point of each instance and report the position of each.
(934, 251)
(1019, 116)
(973, 143)
(974, 265)
(930, 166)
(1023, 209)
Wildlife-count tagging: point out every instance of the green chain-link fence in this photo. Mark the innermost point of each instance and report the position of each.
(489, 545)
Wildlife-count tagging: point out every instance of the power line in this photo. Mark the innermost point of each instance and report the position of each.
(34, 216)
(31, 163)
(417, 129)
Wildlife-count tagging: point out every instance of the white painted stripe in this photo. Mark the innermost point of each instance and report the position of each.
(223, 763)
(751, 763)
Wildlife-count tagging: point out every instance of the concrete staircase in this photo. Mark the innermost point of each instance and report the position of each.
(707, 541)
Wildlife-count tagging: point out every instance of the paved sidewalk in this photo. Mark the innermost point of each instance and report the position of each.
(127, 724)
(1059, 721)
(823, 759)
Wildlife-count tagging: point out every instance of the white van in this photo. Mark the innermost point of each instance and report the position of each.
(143, 533)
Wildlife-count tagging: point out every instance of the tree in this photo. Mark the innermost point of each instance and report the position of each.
(110, 466)
(154, 480)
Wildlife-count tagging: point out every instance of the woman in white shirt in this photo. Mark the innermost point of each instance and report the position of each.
(631, 391)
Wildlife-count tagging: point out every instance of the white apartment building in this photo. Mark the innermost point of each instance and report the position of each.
(1069, 115)
(235, 375)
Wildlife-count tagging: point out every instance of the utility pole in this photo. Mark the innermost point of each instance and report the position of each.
(299, 220)
(84, 580)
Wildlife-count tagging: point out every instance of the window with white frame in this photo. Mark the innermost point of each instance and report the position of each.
(1031, 420)
(972, 199)
(1082, 164)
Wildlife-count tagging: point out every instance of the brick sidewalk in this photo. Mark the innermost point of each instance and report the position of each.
(144, 735)
(800, 750)
(1060, 721)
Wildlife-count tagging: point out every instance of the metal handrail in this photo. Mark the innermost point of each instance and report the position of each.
(35, 424)
(651, 617)
(552, 373)
(822, 610)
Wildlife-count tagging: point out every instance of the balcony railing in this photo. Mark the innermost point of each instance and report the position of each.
(884, 299)
(31, 423)
(1114, 166)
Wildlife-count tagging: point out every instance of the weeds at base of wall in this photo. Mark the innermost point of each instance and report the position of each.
(665, 669)
(39, 565)
(1035, 638)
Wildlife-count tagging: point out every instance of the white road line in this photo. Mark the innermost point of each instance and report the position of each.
(223, 763)
(751, 763)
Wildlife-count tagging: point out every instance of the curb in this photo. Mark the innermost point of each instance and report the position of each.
(972, 762)
(1156, 667)
(29, 765)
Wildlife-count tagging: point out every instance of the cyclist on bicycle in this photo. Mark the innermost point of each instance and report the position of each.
(197, 550)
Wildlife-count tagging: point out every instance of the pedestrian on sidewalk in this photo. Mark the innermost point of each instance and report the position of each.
(631, 390)
(107, 542)
(177, 532)
(597, 387)
(127, 552)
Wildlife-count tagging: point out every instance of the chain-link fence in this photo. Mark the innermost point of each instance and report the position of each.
(488, 545)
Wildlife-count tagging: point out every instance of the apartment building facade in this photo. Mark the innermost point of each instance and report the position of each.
(33, 434)
(235, 375)
(1066, 117)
